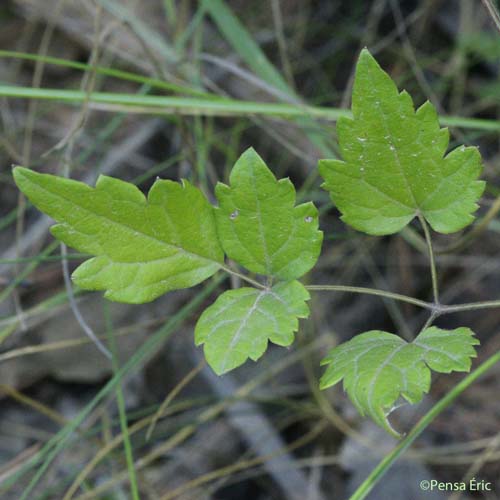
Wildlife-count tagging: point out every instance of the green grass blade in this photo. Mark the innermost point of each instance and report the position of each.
(236, 34)
(47, 454)
(149, 104)
(243, 43)
(379, 471)
(27, 271)
(112, 72)
(120, 400)
(151, 37)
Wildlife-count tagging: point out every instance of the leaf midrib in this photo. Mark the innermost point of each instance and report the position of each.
(243, 324)
(376, 375)
(416, 206)
(120, 224)
(261, 226)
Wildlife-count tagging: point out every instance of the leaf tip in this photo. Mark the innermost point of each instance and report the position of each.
(19, 172)
(17, 168)
(366, 57)
(382, 418)
(393, 432)
(249, 160)
(250, 153)
(323, 384)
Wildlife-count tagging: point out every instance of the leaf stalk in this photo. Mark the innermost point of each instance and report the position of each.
(432, 260)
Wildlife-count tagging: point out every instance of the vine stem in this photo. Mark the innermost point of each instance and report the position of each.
(435, 288)
(470, 306)
(437, 309)
(384, 465)
(371, 291)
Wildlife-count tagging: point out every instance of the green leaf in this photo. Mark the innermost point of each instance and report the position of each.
(259, 226)
(239, 324)
(378, 367)
(143, 247)
(394, 166)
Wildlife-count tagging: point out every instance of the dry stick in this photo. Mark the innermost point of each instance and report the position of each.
(65, 344)
(221, 481)
(370, 29)
(68, 142)
(456, 69)
(74, 306)
(465, 240)
(493, 12)
(476, 230)
(475, 467)
(244, 464)
(412, 58)
(87, 85)
(249, 77)
(392, 307)
(435, 288)
(252, 79)
(184, 433)
(327, 409)
(172, 394)
(114, 443)
(115, 157)
(155, 454)
(27, 144)
(11, 150)
(10, 468)
(326, 460)
(259, 435)
(280, 38)
(34, 404)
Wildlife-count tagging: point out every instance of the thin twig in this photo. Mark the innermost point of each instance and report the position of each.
(68, 142)
(74, 307)
(171, 396)
(280, 38)
(476, 230)
(493, 12)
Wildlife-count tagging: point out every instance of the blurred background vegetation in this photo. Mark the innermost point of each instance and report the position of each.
(156, 423)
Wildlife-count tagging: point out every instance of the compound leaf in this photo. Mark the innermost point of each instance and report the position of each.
(143, 247)
(239, 324)
(394, 166)
(259, 226)
(378, 367)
